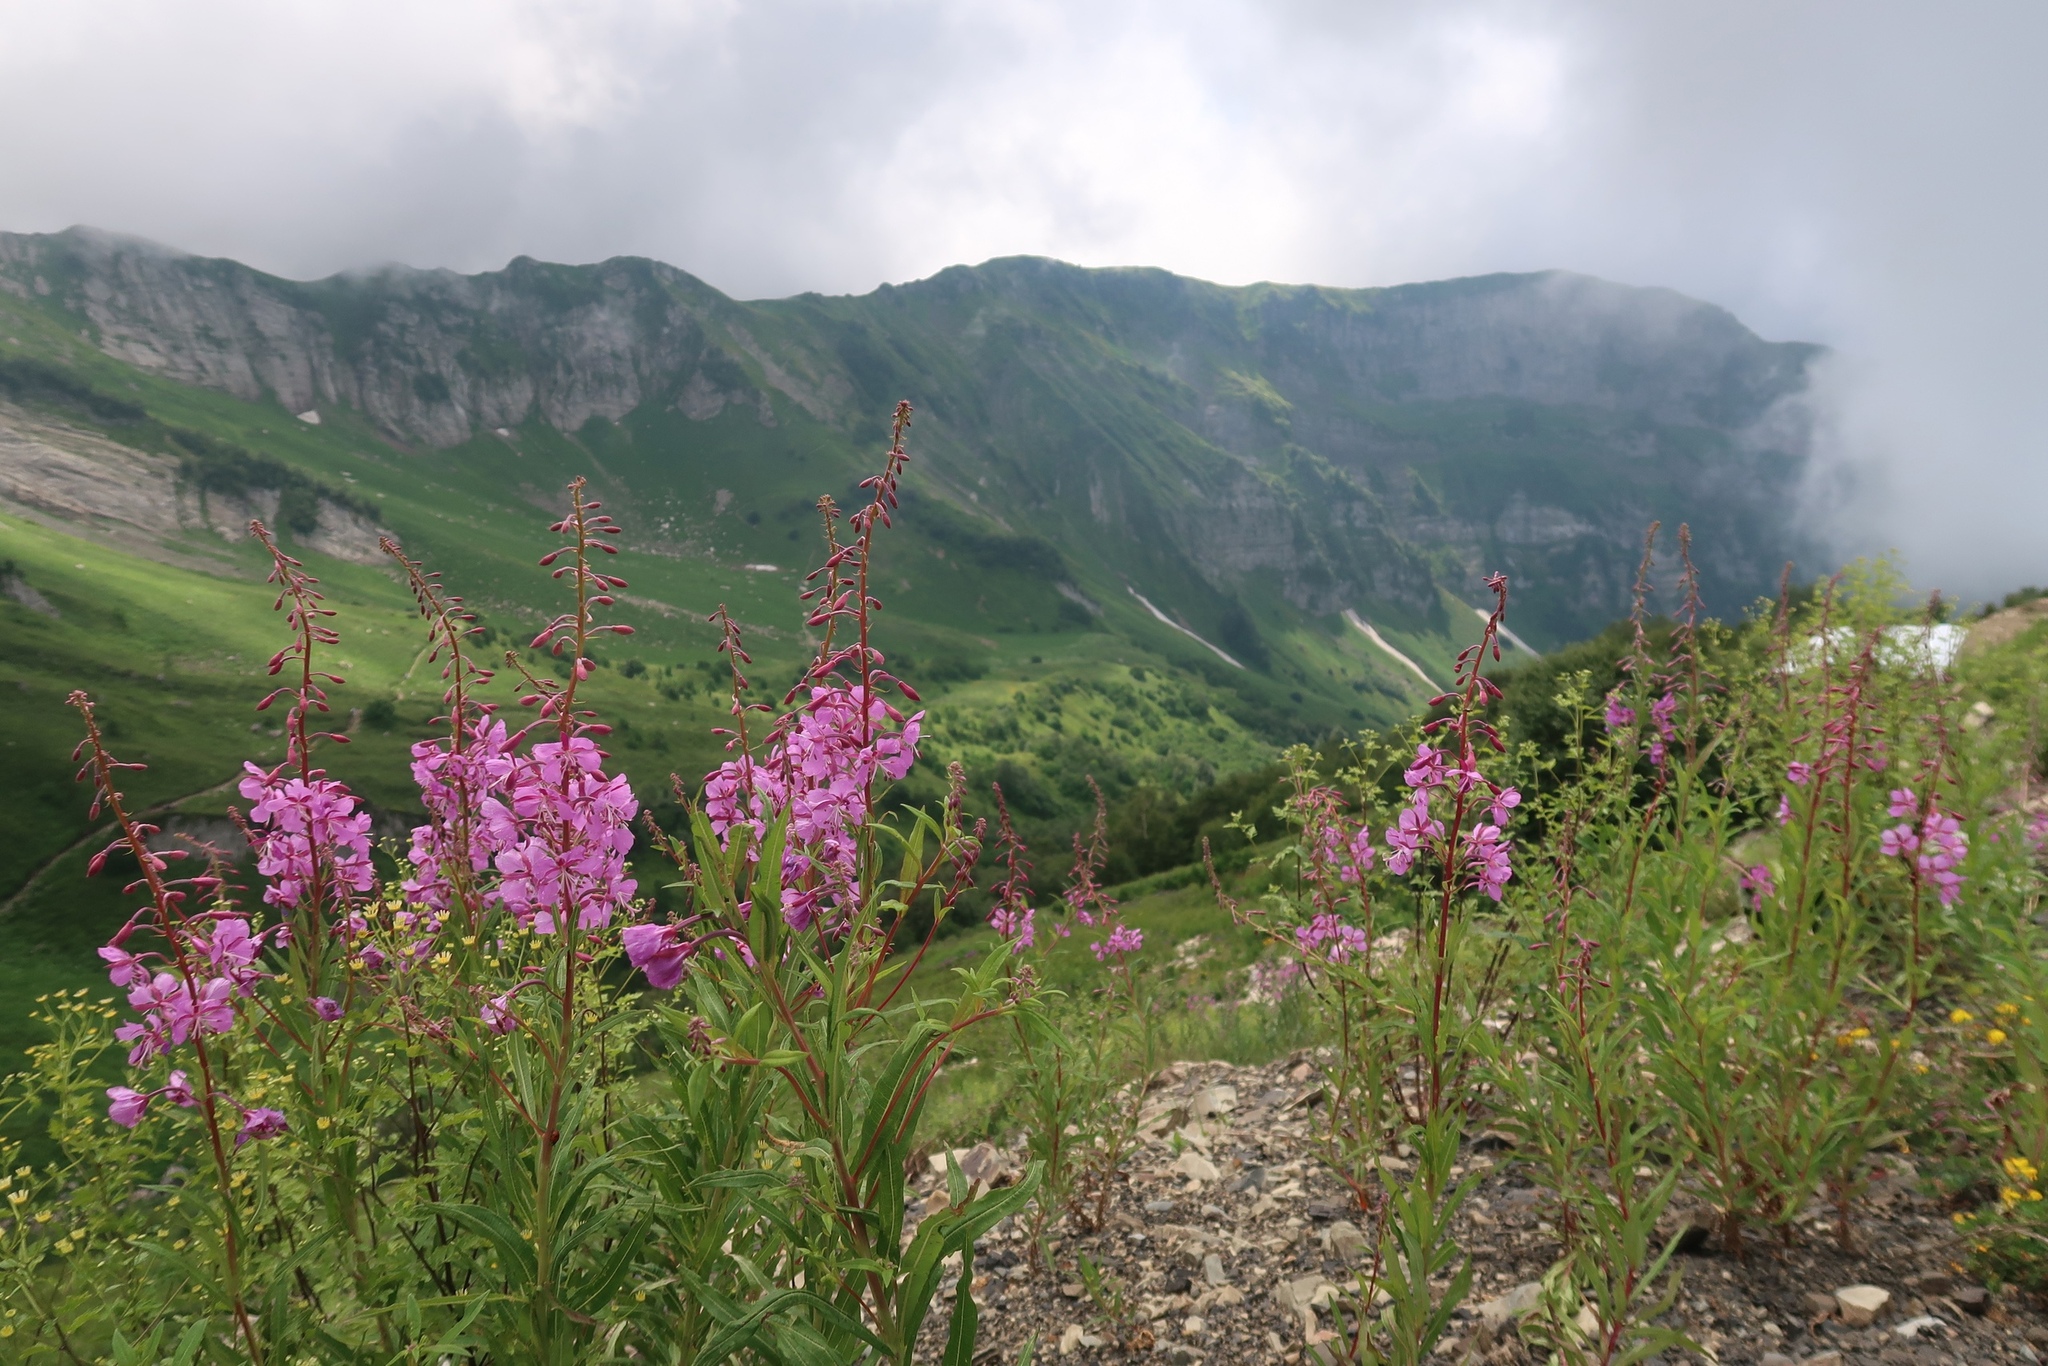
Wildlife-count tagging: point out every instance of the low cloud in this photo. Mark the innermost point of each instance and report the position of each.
(1867, 178)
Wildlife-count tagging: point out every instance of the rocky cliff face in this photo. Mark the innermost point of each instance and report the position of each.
(1343, 446)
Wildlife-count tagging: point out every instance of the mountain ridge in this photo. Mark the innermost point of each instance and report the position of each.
(1235, 451)
(1262, 375)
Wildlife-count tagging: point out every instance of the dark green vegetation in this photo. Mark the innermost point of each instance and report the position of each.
(1254, 462)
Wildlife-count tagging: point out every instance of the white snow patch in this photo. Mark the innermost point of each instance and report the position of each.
(1169, 621)
(1376, 638)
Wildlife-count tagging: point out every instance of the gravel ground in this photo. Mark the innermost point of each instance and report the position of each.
(1223, 1249)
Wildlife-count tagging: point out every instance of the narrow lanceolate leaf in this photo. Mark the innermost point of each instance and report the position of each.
(515, 1254)
(960, 1333)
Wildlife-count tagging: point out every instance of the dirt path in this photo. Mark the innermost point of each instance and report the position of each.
(105, 832)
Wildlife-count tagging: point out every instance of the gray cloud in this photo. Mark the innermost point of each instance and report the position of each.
(1865, 176)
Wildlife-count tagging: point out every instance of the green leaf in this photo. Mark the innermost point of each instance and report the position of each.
(187, 1350)
(515, 1254)
(960, 1333)
(596, 1290)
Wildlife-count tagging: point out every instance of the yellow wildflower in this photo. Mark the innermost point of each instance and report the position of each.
(2007, 1008)
(1995, 1037)
(1960, 1016)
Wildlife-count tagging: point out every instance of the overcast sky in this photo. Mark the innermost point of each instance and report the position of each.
(1868, 175)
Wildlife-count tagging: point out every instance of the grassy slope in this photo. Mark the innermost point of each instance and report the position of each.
(1021, 681)
(175, 655)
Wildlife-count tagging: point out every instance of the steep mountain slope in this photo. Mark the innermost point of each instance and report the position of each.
(1221, 448)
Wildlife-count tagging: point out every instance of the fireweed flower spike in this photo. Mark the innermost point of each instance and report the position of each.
(181, 1004)
(1122, 941)
(1013, 917)
(455, 849)
(312, 840)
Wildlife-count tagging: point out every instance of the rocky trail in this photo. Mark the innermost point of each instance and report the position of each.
(1227, 1242)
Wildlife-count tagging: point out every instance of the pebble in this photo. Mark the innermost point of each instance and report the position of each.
(1775, 1359)
(1303, 1292)
(1193, 1326)
(1820, 1306)
(1861, 1304)
(1914, 1327)
(1343, 1239)
(1972, 1299)
(1213, 1101)
(1823, 1359)
(1196, 1167)
(1519, 1301)
(1159, 1207)
(1212, 1270)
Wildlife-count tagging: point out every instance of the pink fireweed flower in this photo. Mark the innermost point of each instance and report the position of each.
(127, 1106)
(1361, 854)
(1018, 924)
(1427, 769)
(260, 1123)
(1410, 830)
(1905, 804)
(210, 1011)
(1328, 937)
(1122, 941)
(178, 1090)
(1784, 810)
(1757, 881)
(326, 1007)
(148, 1040)
(819, 767)
(497, 1016)
(307, 828)
(563, 830)
(1898, 841)
(1504, 802)
(659, 951)
(1798, 774)
(123, 968)
(1619, 715)
(1943, 847)
(452, 785)
(1487, 857)
(233, 951)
